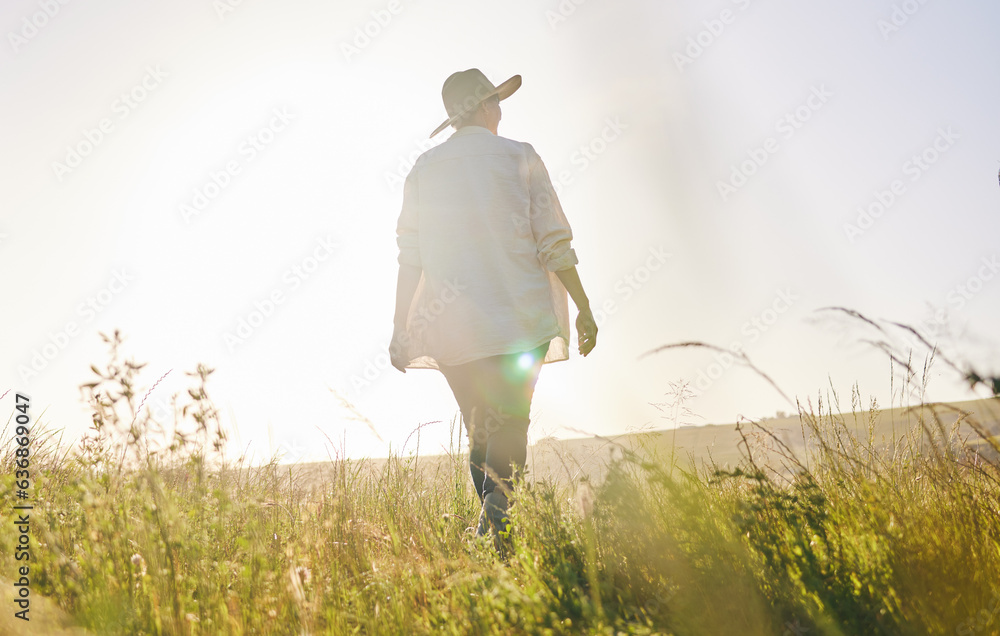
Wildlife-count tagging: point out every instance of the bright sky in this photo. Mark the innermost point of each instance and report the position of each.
(177, 170)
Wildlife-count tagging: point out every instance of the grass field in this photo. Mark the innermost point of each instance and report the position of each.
(848, 531)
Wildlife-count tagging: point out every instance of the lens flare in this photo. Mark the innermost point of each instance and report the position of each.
(525, 361)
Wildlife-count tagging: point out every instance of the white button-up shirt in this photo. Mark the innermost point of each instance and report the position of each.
(481, 219)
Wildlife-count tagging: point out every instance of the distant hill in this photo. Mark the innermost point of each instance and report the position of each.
(565, 460)
(721, 443)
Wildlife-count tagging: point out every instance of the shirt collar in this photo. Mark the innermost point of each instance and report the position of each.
(471, 130)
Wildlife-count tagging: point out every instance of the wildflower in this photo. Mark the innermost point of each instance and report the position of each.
(139, 563)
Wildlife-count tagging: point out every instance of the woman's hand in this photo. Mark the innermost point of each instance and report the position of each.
(586, 329)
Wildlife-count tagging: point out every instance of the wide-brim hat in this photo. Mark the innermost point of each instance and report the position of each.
(465, 90)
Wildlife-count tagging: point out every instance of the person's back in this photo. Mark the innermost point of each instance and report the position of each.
(486, 249)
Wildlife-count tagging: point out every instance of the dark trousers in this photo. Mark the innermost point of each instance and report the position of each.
(494, 395)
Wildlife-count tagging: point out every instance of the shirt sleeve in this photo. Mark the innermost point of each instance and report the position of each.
(549, 225)
(407, 234)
